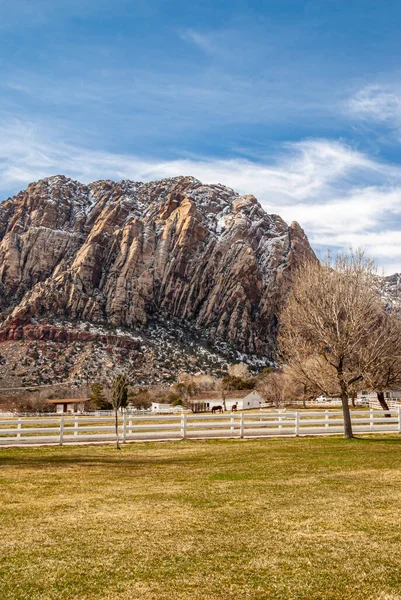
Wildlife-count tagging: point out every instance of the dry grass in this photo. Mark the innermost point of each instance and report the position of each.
(261, 519)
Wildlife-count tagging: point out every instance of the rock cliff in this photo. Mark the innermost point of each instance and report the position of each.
(127, 254)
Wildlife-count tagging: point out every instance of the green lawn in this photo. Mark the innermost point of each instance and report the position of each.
(305, 518)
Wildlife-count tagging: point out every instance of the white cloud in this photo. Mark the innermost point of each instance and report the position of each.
(202, 41)
(339, 195)
(223, 44)
(358, 210)
(377, 103)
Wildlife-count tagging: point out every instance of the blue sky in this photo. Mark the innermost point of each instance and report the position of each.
(297, 102)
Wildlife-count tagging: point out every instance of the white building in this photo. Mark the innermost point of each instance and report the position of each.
(241, 399)
(161, 407)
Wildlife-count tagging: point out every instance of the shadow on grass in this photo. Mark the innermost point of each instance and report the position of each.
(119, 460)
(370, 439)
(48, 456)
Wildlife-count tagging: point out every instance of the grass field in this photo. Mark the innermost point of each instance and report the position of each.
(263, 519)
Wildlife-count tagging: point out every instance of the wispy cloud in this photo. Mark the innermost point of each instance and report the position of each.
(339, 195)
(377, 104)
(202, 41)
(223, 44)
(210, 97)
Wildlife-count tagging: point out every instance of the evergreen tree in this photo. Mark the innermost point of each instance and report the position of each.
(97, 396)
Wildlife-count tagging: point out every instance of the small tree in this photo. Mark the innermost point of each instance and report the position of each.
(332, 326)
(119, 399)
(273, 387)
(300, 388)
(223, 387)
(181, 391)
(142, 398)
(98, 397)
(27, 403)
(239, 370)
(237, 383)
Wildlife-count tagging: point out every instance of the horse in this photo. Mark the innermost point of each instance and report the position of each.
(216, 409)
(234, 408)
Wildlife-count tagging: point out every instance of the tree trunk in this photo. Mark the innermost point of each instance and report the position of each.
(353, 401)
(347, 417)
(116, 422)
(304, 403)
(383, 403)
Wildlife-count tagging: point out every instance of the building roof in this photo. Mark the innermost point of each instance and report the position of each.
(68, 401)
(232, 394)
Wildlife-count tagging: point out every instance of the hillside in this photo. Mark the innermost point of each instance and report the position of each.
(197, 263)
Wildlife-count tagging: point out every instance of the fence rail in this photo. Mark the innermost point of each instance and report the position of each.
(86, 429)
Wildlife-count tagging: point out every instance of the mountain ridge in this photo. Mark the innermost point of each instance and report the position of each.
(125, 254)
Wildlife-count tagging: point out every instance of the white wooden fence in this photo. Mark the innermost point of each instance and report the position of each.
(67, 429)
(393, 404)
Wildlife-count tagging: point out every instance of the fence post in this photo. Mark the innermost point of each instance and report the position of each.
(280, 423)
(19, 427)
(399, 419)
(76, 425)
(371, 421)
(61, 430)
(130, 425)
(326, 419)
(124, 427)
(241, 426)
(183, 426)
(232, 421)
(297, 423)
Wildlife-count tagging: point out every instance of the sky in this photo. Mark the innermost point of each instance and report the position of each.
(296, 102)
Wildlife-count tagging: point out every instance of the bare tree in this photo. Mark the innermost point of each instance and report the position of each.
(119, 399)
(385, 373)
(239, 370)
(223, 387)
(331, 329)
(203, 383)
(299, 388)
(199, 382)
(26, 403)
(273, 387)
(141, 398)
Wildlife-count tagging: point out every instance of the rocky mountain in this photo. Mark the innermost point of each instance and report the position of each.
(392, 284)
(199, 259)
